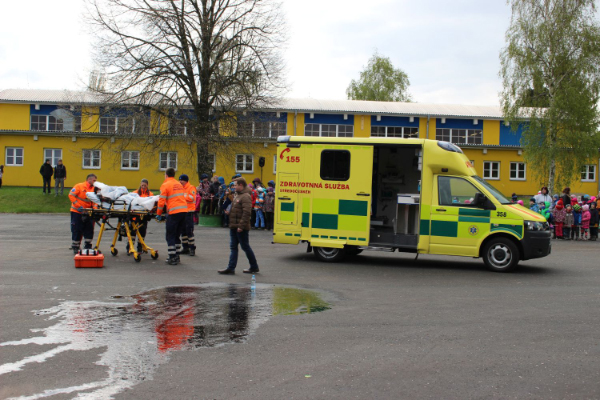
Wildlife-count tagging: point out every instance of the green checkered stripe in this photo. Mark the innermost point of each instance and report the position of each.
(466, 217)
(349, 216)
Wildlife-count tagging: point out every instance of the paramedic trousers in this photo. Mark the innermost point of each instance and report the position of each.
(175, 225)
(187, 234)
(240, 238)
(81, 227)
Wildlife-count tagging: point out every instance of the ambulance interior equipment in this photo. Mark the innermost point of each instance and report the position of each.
(396, 190)
(131, 212)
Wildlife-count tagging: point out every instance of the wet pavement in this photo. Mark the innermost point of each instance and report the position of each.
(137, 336)
(392, 327)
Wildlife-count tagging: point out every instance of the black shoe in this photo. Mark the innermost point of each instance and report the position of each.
(192, 252)
(75, 250)
(185, 250)
(251, 270)
(227, 271)
(172, 260)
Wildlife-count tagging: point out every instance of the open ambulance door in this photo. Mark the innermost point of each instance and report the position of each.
(340, 207)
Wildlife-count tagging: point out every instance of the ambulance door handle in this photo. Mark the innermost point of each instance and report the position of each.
(363, 194)
(283, 198)
(440, 209)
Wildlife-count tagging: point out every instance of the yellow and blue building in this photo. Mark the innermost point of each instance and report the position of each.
(77, 128)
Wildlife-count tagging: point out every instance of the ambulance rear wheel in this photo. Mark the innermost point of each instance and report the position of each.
(329, 254)
(501, 255)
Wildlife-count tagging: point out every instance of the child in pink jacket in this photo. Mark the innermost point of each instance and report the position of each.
(585, 222)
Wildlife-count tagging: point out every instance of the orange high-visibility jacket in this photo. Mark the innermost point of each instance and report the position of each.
(78, 197)
(173, 196)
(190, 191)
(144, 193)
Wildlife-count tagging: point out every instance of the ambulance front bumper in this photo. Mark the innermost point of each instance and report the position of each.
(536, 244)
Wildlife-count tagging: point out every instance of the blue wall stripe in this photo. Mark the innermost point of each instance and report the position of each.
(394, 121)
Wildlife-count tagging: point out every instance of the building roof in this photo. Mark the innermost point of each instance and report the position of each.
(290, 105)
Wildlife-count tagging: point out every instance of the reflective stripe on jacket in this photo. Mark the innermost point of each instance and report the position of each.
(173, 196)
(78, 197)
(190, 197)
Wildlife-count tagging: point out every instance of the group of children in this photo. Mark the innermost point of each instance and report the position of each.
(576, 220)
(263, 204)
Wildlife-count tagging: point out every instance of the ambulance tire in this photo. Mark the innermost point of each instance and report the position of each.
(352, 250)
(329, 254)
(501, 255)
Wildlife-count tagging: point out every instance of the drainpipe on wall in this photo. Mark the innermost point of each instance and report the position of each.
(427, 132)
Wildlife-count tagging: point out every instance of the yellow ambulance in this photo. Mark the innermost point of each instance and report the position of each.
(346, 195)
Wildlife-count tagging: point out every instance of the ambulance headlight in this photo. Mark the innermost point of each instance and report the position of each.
(536, 226)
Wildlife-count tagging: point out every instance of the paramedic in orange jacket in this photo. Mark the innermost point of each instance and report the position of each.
(81, 224)
(173, 197)
(187, 235)
(143, 191)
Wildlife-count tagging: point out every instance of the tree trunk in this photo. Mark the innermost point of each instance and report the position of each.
(551, 176)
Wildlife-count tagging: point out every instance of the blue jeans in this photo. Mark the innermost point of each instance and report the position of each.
(240, 238)
(260, 218)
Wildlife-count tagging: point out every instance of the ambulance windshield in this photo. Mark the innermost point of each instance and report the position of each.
(492, 190)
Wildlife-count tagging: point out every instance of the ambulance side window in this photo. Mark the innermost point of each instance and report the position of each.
(456, 192)
(335, 165)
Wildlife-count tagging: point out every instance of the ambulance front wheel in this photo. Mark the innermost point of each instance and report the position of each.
(329, 254)
(501, 255)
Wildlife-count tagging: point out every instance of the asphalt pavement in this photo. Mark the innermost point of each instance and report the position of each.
(396, 327)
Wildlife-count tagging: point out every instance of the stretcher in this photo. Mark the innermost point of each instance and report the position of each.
(128, 224)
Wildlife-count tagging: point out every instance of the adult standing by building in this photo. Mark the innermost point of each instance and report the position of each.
(187, 235)
(239, 228)
(46, 172)
(566, 196)
(172, 196)
(142, 191)
(60, 174)
(542, 197)
(81, 225)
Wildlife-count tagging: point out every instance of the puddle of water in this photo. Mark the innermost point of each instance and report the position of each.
(138, 336)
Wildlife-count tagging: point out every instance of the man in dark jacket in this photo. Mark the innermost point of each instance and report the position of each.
(239, 227)
(46, 171)
(60, 174)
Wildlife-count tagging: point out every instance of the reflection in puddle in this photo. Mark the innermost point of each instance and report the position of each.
(138, 336)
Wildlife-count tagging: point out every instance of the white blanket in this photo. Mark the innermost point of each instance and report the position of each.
(123, 199)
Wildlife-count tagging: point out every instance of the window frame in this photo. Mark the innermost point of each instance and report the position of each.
(100, 120)
(386, 132)
(130, 159)
(168, 160)
(589, 169)
(487, 178)
(337, 129)
(336, 162)
(454, 204)
(454, 133)
(275, 164)
(83, 166)
(52, 157)
(245, 162)
(524, 178)
(14, 156)
(58, 122)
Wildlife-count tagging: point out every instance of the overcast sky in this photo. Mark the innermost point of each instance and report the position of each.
(449, 49)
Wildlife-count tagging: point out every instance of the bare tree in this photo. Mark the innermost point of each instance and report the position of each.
(199, 63)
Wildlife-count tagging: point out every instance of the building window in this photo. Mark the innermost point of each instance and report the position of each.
(91, 159)
(328, 130)
(335, 165)
(491, 170)
(394, 131)
(518, 171)
(108, 124)
(168, 159)
(177, 126)
(77, 123)
(14, 157)
(54, 155)
(130, 160)
(588, 174)
(275, 164)
(459, 136)
(244, 163)
(212, 160)
(46, 123)
(263, 129)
